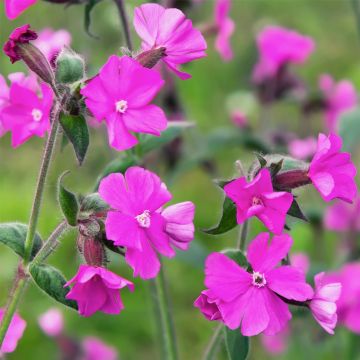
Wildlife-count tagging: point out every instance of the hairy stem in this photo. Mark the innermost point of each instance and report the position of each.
(215, 341)
(166, 322)
(125, 23)
(242, 236)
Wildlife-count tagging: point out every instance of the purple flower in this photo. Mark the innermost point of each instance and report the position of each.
(21, 35)
(208, 306)
(52, 322)
(323, 304)
(13, 334)
(254, 301)
(302, 148)
(339, 98)
(332, 171)
(170, 29)
(239, 119)
(121, 94)
(27, 115)
(95, 349)
(225, 28)
(278, 47)
(97, 289)
(13, 8)
(138, 222)
(257, 198)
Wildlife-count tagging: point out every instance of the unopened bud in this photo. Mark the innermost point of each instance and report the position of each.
(70, 67)
(93, 251)
(151, 57)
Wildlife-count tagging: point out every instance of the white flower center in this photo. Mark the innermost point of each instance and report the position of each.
(257, 201)
(258, 279)
(144, 219)
(121, 106)
(37, 115)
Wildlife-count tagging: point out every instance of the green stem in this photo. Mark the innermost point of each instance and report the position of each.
(167, 329)
(242, 236)
(215, 341)
(356, 8)
(125, 23)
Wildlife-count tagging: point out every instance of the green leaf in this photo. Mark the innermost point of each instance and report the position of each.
(296, 212)
(93, 203)
(237, 256)
(68, 202)
(52, 282)
(227, 221)
(76, 129)
(175, 129)
(349, 129)
(237, 345)
(276, 167)
(87, 20)
(262, 160)
(13, 235)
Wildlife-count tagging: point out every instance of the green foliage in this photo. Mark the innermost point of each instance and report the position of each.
(237, 345)
(237, 256)
(68, 202)
(349, 129)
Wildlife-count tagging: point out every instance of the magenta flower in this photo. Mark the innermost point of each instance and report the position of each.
(239, 119)
(255, 301)
(95, 349)
(97, 289)
(332, 171)
(278, 343)
(302, 148)
(21, 35)
(138, 222)
(208, 306)
(14, 333)
(257, 198)
(13, 8)
(278, 47)
(300, 261)
(339, 98)
(52, 322)
(170, 29)
(121, 94)
(343, 217)
(27, 115)
(51, 42)
(323, 304)
(225, 28)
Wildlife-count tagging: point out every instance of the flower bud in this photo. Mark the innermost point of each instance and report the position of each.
(151, 57)
(18, 47)
(70, 67)
(93, 250)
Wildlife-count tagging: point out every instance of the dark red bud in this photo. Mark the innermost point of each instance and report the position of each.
(93, 251)
(151, 57)
(291, 179)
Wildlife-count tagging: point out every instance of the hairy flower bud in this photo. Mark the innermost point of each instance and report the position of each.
(70, 67)
(93, 251)
(151, 57)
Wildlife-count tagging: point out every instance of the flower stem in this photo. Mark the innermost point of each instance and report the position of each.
(166, 322)
(242, 236)
(213, 346)
(125, 23)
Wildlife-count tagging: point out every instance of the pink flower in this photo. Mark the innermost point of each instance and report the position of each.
(278, 47)
(138, 222)
(239, 119)
(14, 333)
(208, 306)
(27, 115)
(278, 343)
(300, 261)
(169, 28)
(254, 301)
(97, 289)
(257, 198)
(339, 98)
(21, 35)
(332, 171)
(52, 322)
(121, 94)
(225, 28)
(323, 304)
(302, 148)
(13, 8)
(343, 217)
(51, 42)
(95, 349)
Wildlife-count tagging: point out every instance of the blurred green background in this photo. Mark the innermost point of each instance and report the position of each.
(332, 25)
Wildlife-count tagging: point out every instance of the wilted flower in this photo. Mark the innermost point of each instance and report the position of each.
(225, 28)
(323, 304)
(208, 305)
(159, 27)
(95, 349)
(97, 289)
(13, 334)
(138, 222)
(13, 8)
(27, 115)
(258, 198)
(255, 301)
(52, 322)
(302, 148)
(332, 171)
(339, 98)
(121, 94)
